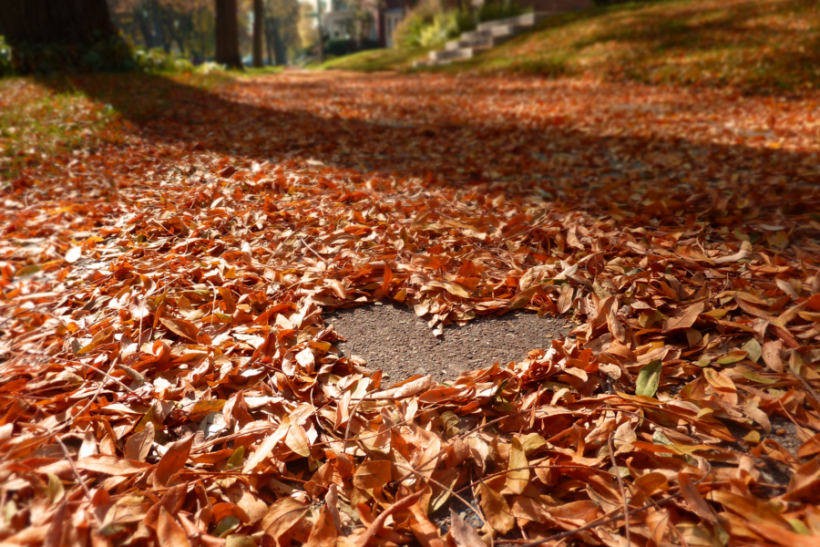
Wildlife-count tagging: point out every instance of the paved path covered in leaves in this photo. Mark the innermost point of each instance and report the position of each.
(166, 288)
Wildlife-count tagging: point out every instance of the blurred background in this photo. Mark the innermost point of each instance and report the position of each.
(290, 30)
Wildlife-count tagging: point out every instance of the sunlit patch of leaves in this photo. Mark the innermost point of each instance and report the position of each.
(755, 46)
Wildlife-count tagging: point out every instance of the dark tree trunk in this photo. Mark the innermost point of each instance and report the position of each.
(278, 45)
(58, 35)
(258, 31)
(159, 31)
(65, 22)
(145, 29)
(227, 34)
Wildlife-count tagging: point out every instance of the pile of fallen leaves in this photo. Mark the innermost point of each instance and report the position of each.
(167, 376)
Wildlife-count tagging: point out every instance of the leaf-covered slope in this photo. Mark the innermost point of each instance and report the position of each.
(766, 46)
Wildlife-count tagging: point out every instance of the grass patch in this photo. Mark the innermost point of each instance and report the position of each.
(249, 71)
(377, 59)
(36, 123)
(43, 117)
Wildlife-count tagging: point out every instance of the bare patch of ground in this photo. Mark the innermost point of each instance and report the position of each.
(392, 338)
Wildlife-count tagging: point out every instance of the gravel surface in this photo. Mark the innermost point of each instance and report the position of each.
(392, 338)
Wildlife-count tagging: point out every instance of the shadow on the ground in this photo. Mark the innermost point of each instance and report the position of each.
(447, 150)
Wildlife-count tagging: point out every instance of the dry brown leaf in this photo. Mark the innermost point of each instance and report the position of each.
(462, 533)
(496, 510)
(173, 461)
(323, 533)
(169, 532)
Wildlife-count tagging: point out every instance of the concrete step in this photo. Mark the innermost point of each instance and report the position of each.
(456, 54)
(499, 30)
(528, 20)
(417, 64)
(486, 38)
(479, 42)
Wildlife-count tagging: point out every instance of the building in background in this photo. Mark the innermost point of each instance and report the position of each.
(389, 15)
(364, 21)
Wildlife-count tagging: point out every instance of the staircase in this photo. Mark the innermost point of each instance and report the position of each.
(486, 36)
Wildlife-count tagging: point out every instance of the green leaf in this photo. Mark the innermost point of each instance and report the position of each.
(755, 377)
(733, 357)
(236, 460)
(660, 438)
(799, 527)
(523, 298)
(753, 349)
(226, 526)
(28, 270)
(649, 379)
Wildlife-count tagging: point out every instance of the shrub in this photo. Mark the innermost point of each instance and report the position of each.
(443, 27)
(158, 60)
(428, 26)
(493, 11)
(408, 33)
(106, 55)
(346, 46)
(6, 68)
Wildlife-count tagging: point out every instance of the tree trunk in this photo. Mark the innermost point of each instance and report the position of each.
(279, 46)
(258, 32)
(159, 31)
(64, 22)
(145, 29)
(227, 34)
(57, 35)
(319, 26)
(270, 26)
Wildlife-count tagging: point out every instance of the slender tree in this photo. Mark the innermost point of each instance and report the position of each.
(321, 36)
(258, 31)
(227, 34)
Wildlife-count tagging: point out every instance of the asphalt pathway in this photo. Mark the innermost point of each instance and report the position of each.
(392, 338)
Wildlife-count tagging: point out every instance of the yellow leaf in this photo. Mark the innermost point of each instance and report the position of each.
(518, 478)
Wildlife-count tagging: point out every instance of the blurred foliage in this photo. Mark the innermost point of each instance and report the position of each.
(493, 11)
(6, 68)
(157, 60)
(428, 26)
(282, 37)
(185, 27)
(337, 48)
(105, 55)
(377, 59)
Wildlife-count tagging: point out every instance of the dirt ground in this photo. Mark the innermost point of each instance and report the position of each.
(392, 338)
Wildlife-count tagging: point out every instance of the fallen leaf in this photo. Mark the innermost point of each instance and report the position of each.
(649, 379)
(173, 460)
